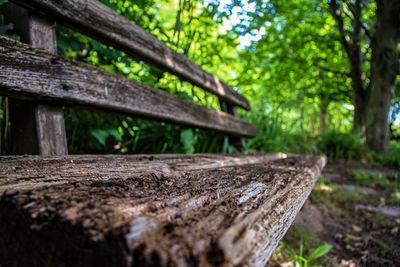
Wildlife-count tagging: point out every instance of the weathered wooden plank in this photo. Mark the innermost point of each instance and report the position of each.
(36, 74)
(35, 128)
(51, 130)
(42, 33)
(100, 22)
(149, 210)
(168, 164)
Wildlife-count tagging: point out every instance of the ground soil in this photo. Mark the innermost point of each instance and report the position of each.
(360, 236)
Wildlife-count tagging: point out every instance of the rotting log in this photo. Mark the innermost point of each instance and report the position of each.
(104, 24)
(161, 210)
(34, 74)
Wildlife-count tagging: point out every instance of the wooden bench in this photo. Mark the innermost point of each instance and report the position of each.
(112, 210)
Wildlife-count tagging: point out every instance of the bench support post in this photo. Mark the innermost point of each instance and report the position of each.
(35, 128)
(237, 142)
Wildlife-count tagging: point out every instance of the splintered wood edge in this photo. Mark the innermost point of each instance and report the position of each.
(170, 214)
(263, 229)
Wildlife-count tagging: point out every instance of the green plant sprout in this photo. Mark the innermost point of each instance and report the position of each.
(300, 259)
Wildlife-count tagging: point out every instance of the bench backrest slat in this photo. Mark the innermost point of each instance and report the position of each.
(102, 23)
(40, 75)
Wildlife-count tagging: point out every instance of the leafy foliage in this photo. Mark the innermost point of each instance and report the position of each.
(113, 134)
(294, 72)
(6, 28)
(330, 195)
(341, 145)
(391, 182)
(392, 159)
(187, 139)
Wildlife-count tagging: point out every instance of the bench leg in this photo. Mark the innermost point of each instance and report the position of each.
(35, 128)
(237, 142)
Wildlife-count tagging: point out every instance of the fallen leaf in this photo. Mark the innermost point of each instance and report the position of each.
(339, 236)
(349, 263)
(287, 264)
(356, 228)
(353, 237)
(348, 247)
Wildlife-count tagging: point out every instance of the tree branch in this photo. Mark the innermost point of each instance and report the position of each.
(366, 31)
(336, 11)
(357, 22)
(351, 7)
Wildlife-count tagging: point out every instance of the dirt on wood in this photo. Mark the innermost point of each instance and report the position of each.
(129, 210)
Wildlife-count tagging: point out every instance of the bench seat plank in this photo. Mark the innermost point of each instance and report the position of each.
(143, 210)
(35, 74)
(102, 23)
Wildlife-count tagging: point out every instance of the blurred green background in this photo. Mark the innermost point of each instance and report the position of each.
(284, 56)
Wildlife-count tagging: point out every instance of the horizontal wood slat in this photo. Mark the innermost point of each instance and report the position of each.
(166, 210)
(100, 22)
(35, 74)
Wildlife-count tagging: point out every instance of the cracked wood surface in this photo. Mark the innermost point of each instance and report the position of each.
(150, 210)
(35, 74)
(100, 22)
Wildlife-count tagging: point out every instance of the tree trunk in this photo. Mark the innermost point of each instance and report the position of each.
(360, 91)
(360, 95)
(384, 69)
(322, 117)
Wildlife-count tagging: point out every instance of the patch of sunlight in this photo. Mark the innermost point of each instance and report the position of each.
(349, 107)
(238, 16)
(324, 188)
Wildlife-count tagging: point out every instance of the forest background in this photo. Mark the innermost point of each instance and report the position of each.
(301, 64)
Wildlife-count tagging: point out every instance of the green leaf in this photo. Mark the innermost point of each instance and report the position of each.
(107, 3)
(101, 135)
(322, 250)
(188, 141)
(185, 95)
(5, 28)
(227, 147)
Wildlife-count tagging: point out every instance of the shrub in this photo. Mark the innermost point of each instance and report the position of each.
(337, 145)
(391, 159)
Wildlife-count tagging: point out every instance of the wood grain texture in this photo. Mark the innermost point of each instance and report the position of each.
(51, 134)
(50, 127)
(42, 34)
(100, 22)
(35, 74)
(149, 210)
(36, 128)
